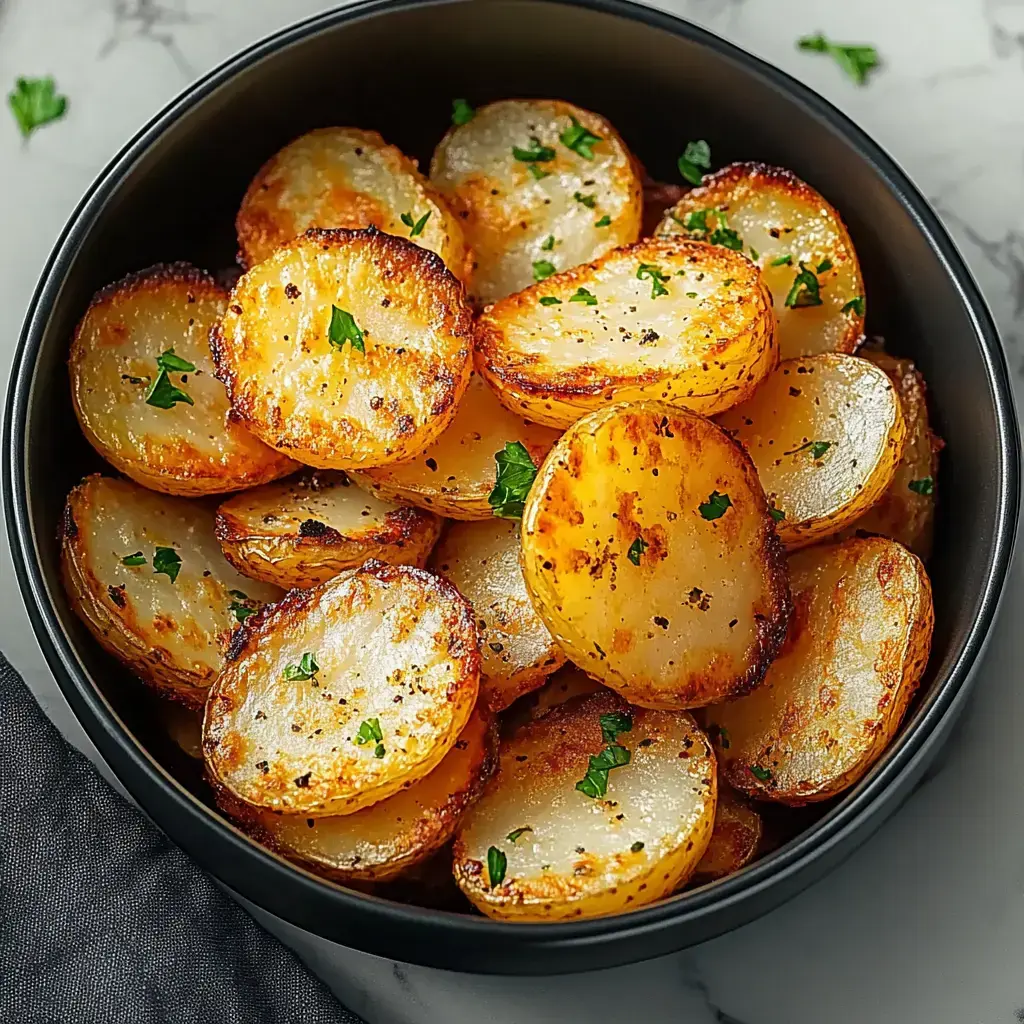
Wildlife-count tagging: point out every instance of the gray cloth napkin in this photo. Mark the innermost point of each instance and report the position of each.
(104, 921)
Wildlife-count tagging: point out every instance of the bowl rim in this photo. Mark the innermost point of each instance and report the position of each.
(385, 922)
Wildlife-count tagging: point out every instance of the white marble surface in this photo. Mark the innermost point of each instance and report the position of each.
(924, 923)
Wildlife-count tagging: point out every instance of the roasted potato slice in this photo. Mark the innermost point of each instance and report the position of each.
(169, 429)
(568, 682)
(537, 184)
(518, 651)
(344, 178)
(858, 643)
(735, 839)
(685, 322)
(455, 475)
(145, 573)
(346, 349)
(826, 434)
(906, 512)
(305, 530)
(649, 551)
(342, 695)
(787, 228)
(382, 841)
(555, 836)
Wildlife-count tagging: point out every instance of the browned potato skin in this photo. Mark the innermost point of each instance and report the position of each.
(784, 728)
(304, 554)
(901, 513)
(169, 463)
(735, 839)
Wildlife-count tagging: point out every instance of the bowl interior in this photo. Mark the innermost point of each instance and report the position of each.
(174, 197)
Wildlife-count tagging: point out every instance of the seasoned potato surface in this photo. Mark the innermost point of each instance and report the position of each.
(685, 322)
(341, 696)
(305, 530)
(734, 840)
(649, 551)
(858, 643)
(538, 847)
(168, 429)
(346, 349)
(145, 573)
(538, 185)
(787, 228)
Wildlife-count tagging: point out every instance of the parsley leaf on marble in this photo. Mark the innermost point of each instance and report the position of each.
(35, 102)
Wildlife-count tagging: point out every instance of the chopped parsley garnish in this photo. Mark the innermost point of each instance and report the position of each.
(35, 102)
(137, 559)
(855, 305)
(715, 506)
(497, 862)
(759, 773)
(754, 254)
(515, 476)
(603, 222)
(697, 155)
(636, 549)
(548, 244)
(462, 112)
(379, 751)
(805, 290)
(857, 60)
(776, 513)
(653, 272)
(305, 669)
(369, 732)
(537, 172)
(543, 269)
(816, 448)
(550, 300)
(697, 220)
(614, 723)
(344, 328)
(162, 393)
(168, 562)
(517, 832)
(725, 236)
(589, 201)
(173, 364)
(924, 486)
(719, 733)
(582, 295)
(415, 226)
(595, 782)
(636, 847)
(825, 264)
(241, 607)
(691, 295)
(536, 154)
(782, 261)
(579, 140)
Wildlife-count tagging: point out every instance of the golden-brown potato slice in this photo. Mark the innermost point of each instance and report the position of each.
(145, 573)
(305, 530)
(553, 206)
(537, 847)
(826, 434)
(168, 429)
(700, 334)
(185, 727)
(568, 682)
(781, 223)
(858, 643)
(341, 696)
(649, 551)
(519, 653)
(455, 475)
(906, 512)
(344, 178)
(382, 841)
(734, 840)
(346, 349)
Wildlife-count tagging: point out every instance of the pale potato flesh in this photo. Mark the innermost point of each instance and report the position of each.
(701, 337)
(735, 838)
(589, 856)
(482, 560)
(857, 646)
(331, 405)
(845, 405)
(305, 530)
(382, 841)
(508, 216)
(344, 178)
(455, 475)
(172, 634)
(907, 513)
(776, 215)
(393, 644)
(702, 614)
(186, 449)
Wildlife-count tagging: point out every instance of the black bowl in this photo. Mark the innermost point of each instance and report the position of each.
(172, 193)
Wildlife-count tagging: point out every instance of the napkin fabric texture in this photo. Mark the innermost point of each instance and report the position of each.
(104, 921)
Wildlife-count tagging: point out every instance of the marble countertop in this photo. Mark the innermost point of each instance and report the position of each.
(926, 921)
